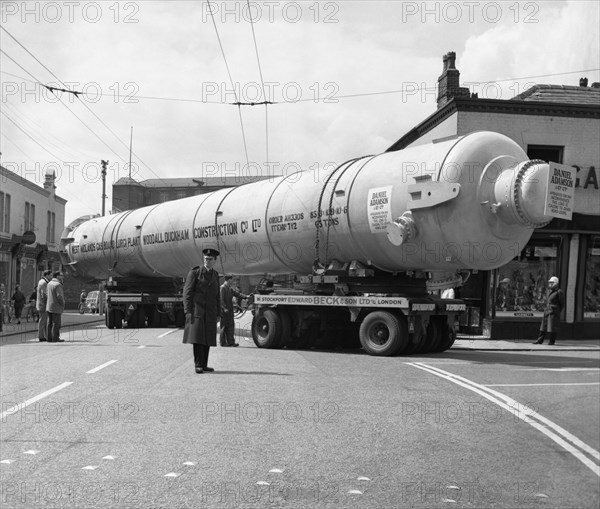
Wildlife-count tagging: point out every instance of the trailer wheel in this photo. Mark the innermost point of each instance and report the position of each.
(114, 318)
(110, 319)
(447, 337)
(270, 328)
(383, 333)
(433, 336)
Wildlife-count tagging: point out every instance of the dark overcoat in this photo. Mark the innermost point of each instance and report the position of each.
(201, 298)
(554, 304)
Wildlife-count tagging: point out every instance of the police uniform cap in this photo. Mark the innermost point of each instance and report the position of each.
(210, 252)
(553, 279)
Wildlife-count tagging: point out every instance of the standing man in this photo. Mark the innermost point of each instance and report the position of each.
(554, 303)
(227, 321)
(42, 300)
(55, 307)
(18, 299)
(202, 306)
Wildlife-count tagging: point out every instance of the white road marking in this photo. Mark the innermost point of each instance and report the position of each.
(33, 452)
(167, 333)
(20, 406)
(90, 467)
(7, 462)
(172, 474)
(539, 422)
(560, 369)
(102, 366)
(142, 346)
(538, 385)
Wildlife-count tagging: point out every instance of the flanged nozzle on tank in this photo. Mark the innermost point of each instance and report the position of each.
(401, 230)
(519, 194)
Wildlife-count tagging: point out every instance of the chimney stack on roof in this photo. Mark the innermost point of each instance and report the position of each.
(449, 83)
(583, 82)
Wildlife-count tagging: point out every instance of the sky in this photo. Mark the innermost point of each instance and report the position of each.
(346, 79)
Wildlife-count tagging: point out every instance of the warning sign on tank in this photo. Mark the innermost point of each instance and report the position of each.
(560, 193)
(379, 208)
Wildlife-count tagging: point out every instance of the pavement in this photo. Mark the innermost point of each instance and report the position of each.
(243, 330)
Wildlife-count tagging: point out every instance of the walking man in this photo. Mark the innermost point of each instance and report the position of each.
(554, 304)
(227, 321)
(42, 300)
(55, 307)
(202, 306)
(18, 299)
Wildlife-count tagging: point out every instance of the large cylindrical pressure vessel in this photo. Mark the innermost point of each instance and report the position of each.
(469, 202)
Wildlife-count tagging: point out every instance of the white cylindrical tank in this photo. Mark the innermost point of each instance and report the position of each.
(469, 202)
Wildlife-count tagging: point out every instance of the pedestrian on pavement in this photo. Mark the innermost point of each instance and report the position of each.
(19, 300)
(42, 300)
(55, 307)
(202, 306)
(555, 302)
(227, 322)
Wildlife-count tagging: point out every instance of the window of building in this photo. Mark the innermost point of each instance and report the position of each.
(521, 285)
(548, 153)
(5, 212)
(29, 219)
(591, 296)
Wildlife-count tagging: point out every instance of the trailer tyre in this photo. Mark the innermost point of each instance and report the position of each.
(270, 328)
(384, 334)
(447, 337)
(114, 318)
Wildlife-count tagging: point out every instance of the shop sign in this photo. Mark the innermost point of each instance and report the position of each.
(28, 238)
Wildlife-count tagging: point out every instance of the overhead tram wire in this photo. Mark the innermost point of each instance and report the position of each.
(262, 81)
(77, 94)
(212, 17)
(346, 96)
(59, 98)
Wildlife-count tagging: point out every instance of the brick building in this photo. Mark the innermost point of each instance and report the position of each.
(559, 123)
(31, 222)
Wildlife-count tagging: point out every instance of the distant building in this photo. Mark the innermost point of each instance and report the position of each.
(32, 219)
(129, 194)
(558, 123)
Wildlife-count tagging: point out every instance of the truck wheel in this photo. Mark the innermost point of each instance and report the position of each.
(114, 319)
(447, 337)
(270, 328)
(110, 319)
(383, 333)
(433, 336)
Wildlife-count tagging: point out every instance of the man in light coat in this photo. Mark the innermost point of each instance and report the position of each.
(55, 307)
(41, 301)
(555, 301)
(202, 306)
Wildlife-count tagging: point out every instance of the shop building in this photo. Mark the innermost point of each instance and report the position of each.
(554, 123)
(31, 221)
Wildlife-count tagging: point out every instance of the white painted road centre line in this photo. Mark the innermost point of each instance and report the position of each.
(20, 406)
(168, 332)
(562, 437)
(98, 368)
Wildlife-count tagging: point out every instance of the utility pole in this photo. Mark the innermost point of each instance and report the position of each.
(104, 164)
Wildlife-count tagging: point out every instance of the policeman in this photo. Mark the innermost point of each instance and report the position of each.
(202, 306)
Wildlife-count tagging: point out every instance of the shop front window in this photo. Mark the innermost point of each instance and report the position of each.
(521, 285)
(591, 298)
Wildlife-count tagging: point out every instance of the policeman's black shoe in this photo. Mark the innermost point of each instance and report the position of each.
(199, 370)
(225, 345)
(59, 341)
(538, 343)
(234, 344)
(207, 369)
(43, 339)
